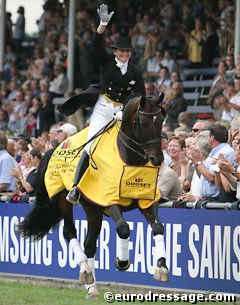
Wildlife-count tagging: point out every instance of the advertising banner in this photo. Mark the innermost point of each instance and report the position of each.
(203, 249)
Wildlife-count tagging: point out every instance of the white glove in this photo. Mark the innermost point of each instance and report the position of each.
(103, 14)
(118, 116)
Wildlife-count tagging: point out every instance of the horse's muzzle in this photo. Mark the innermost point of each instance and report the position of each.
(156, 160)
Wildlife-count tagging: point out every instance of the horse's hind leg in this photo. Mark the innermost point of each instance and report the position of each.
(151, 215)
(122, 262)
(69, 231)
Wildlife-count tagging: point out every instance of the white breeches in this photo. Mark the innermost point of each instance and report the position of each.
(103, 113)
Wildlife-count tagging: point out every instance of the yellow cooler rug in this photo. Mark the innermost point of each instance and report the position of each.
(108, 180)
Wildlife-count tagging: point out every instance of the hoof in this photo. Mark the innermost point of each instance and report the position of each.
(122, 265)
(86, 277)
(93, 293)
(161, 274)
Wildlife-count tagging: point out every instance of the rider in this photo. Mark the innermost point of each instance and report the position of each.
(119, 78)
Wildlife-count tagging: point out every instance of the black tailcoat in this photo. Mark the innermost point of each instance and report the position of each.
(112, 83)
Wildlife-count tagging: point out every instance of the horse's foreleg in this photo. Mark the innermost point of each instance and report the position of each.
(85, 273)
(122, 262)
(94, 218)
(151, 215)
(70, 234)
(92, 288)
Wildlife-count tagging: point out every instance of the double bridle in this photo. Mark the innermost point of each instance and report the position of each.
(138, 134)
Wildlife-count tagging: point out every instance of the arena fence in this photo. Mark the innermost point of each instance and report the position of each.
(202, 246)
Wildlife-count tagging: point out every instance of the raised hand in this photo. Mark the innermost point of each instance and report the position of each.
(104, 15)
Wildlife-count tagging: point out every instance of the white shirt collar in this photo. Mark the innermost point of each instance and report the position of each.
(122, 66)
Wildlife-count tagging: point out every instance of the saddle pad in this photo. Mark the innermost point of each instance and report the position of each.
(101, 181)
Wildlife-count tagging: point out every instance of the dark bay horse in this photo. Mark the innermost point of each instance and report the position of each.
(138, 141)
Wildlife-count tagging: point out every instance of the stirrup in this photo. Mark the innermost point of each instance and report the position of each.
(73, 196)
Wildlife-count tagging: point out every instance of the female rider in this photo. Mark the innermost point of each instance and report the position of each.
(119, 78)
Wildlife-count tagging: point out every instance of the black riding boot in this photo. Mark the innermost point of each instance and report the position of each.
(73, 195)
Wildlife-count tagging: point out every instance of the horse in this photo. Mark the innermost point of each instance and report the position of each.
(138, 143)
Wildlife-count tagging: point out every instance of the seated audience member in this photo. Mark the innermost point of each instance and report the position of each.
(199, 126)
(27, 187)
(45, 115)
(228, 175)
(175, 77)
(164, 141)
(58, 86)
(58, 132)
(234, 101)
(201, 146)
(9, 61)
(231, 173)
(65, 131)
(235, 126)
(21, 148)
(153, 65)
(11, 147)
(41, 144)
(190, 166)
(176, 105)
(210, 45)
(26, 166)
(227, 193)
(222, 101)
(185, 120)
(163, 81)
(7, 182)
(225, 123)
(3, 120)
(237, 70)
(181, 132)
(235, 140)
(229, 59)
(149, 88)
(217, 86)
(168, 61)
(17, 109)
(13, 86)
(218, 141)
(36, 65)
(168, 182)
(176, 150)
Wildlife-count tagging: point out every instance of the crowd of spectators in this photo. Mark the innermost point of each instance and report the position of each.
(204, 163)
(20, 159)
(164, 33)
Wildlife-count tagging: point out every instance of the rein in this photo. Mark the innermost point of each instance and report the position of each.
(100, 132)
(123, 135)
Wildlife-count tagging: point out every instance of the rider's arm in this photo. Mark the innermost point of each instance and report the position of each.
(98, 42)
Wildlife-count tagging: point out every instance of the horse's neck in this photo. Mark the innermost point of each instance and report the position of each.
(130, 153)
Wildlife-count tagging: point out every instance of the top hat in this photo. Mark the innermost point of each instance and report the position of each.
(122, 43)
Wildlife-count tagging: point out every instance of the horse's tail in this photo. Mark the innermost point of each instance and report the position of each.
(45, 214)
(42, 197)
(40, 220)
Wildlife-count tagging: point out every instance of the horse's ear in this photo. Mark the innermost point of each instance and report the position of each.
(160, 98)
(142, 101)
